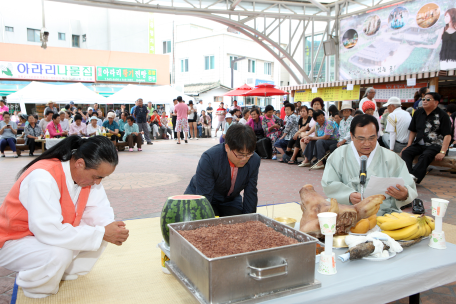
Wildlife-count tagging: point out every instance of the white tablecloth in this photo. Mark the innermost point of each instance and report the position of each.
(416, 269)
(51, 142)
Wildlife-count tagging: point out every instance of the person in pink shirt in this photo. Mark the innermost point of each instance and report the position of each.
(3, 108)
(54, 128)
(182, 120)
(77, 127)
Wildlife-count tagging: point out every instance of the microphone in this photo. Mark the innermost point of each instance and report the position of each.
(362, 170)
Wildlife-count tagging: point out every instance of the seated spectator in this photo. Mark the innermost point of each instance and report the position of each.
(155, 124)
(318, 104)
(369, 109)
(319, 144)
(256, 123)
(89, 112)
(344, 127)
(64, 122)
(396, 134)
(271, 127)
(164, 125)
(77, 127)
(8, 131)
(93, 128)
(51, 107)
(228, 123)
(246, 116)
(332, 111)
(21, 124)
(132, 134)
(99, 121)
(358, 112)
(100, 115)
(430, 136)
(295, 142)
(46, 120)
(69, 117)
(112, 127)
(54, 128)
(32, 132)
(206, 123)
(122, 122)
(291, 128)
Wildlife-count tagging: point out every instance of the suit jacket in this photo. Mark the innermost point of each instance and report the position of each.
(213, 180)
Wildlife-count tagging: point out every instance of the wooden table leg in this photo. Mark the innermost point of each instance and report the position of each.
(414, 299)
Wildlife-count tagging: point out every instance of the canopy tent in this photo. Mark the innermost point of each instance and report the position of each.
(155, 94)
(265, 90)
(239, 91)
(38, 92)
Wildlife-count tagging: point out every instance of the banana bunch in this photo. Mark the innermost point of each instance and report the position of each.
(405, 226)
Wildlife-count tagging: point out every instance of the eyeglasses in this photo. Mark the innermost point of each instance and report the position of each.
(363, 140)
(428, 99)
(241, 156)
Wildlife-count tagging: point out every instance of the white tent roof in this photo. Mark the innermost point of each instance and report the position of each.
(38, 92)
(156, 94)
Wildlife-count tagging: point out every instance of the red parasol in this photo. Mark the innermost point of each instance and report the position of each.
(264, 90)
(239, 91)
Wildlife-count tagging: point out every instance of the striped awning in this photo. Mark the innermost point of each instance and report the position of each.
(368, 81)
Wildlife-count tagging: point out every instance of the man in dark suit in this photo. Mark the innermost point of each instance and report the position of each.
(225, 170)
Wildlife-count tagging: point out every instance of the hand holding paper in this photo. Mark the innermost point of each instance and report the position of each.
(380, 185)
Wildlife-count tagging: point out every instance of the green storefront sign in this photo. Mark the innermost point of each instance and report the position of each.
(126, 75)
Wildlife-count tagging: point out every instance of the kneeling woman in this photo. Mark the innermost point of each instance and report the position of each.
(56, 220)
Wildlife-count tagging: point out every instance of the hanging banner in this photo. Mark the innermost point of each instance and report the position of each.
(328, 94)
(151, 33)
(46, 71)
(126, 75)
(400, 39)
(406, 93)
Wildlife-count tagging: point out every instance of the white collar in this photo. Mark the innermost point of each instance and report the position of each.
(358, 159)
(67, 171)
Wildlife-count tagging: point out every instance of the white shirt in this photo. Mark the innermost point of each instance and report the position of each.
(243, 121)
(91, 129)
(375, 103)
(65, 125)
(397, 125)
(199, 108)
(40, 196)
(171, 111)
(358, 159)
(43, 124)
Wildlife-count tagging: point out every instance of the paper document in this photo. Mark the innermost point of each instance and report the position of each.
(379, 185)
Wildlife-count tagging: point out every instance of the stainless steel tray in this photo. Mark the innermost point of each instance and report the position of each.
(243, 277)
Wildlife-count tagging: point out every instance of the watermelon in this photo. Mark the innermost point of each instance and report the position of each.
(184, 208)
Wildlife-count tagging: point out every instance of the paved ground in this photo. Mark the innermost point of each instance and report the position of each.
(143, 181)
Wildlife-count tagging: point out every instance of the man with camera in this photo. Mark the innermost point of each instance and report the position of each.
(8, 131)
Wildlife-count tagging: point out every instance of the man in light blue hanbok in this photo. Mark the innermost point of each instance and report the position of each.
(341, 176)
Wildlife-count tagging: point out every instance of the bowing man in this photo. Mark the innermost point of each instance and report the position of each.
(225, 170)
(56, 220)
(341, 176)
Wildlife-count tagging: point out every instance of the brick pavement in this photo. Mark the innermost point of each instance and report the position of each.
(144, 180)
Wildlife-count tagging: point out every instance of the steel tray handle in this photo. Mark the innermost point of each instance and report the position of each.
(258, 274)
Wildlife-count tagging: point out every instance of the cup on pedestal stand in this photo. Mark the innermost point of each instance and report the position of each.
(327, 263)
(439, 207)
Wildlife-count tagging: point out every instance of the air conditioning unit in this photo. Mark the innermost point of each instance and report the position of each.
(249, 81)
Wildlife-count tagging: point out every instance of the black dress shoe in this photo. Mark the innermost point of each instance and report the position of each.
(417, 206)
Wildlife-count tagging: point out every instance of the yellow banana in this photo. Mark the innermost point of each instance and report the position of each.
(402, 234)
(382, 219)
(430, 223)
(428, 229)
(401, 215)
(413, 236)
(389, 215)
(398, 223)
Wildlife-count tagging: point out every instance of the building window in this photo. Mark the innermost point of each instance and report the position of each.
(209, 62)
(235, 64)
(62, 36)
(33, 35)
(251, 66)
(184, 65)
(166, 47)
(75, 41)
(9, 29)
(84, 38)
(218, 98)
(267, 68)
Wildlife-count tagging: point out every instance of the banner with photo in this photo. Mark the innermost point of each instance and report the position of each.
(403, 38)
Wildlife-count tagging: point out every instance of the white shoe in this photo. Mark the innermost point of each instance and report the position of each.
(69, 277)
(36, 295)
(303, 164)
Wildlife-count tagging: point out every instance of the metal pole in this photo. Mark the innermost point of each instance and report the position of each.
(336, 59)
(312, 53)
(232, 68)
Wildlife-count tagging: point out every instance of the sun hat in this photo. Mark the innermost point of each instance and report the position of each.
(228, 116)
(393, 101)
(90, 108)
(368, 105)
(93, 118)
(346, 106)
(111, 115)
